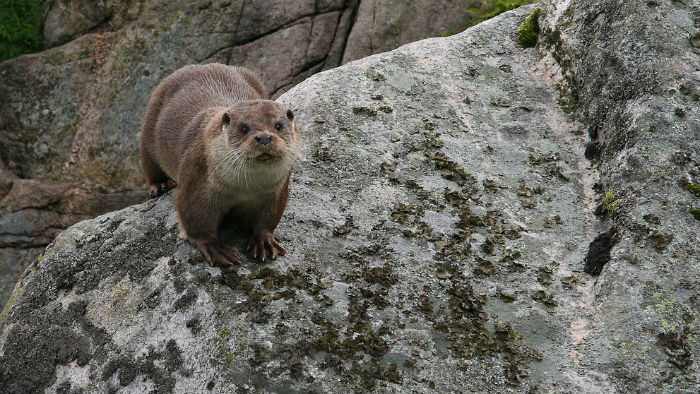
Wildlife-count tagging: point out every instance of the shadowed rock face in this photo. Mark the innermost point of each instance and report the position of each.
(633, 72)
(438, 229)
(71, 114)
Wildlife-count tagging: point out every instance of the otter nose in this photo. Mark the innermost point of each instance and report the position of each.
(263, 139)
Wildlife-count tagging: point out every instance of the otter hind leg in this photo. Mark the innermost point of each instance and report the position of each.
(158, 180)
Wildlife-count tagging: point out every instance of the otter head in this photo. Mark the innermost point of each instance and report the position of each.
(258, 142)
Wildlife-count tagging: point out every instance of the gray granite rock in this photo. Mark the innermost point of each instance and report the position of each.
(442, 222)
(634, 75)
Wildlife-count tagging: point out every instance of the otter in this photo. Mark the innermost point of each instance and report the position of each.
(212, 131)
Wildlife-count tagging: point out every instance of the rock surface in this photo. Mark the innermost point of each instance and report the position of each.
(439, 225)
(71, 115)
(634, 73)
(382, 25)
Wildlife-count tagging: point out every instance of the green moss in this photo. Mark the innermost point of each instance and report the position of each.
(486, 10)
(546, 299)
(631, 349)
(611, 203)
(20, 28)
(566, 99)
(696, 213)
(529, 29)
(229, 359)
(545, 275)
(526, 194)
(695, 189)
(646, 150)
(367, 111)
(10, 302)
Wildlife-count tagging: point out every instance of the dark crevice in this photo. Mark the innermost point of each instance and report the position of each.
(100, 27)
(32, 234)
(371, 29)
(332, 40)
(599, 252)
(353, 19)
(235, 33)
(308, 39)
(25, 246)
(285, 26)
(337, 58)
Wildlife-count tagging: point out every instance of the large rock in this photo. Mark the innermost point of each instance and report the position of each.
(71, 115)
(445, 234)
(433, 180)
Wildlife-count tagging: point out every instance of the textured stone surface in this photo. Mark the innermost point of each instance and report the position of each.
(71, 114)
(438, 228)
(13, 261)
(67, 19)
(633, 69)
(32, 213)
(433, 182)
(382, 25)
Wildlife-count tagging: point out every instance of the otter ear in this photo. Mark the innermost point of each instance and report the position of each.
(226, 119)
(290, 114)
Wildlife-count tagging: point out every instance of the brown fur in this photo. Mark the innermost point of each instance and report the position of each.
(194, 135)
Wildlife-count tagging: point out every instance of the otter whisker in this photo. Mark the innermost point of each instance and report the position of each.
(231, 163)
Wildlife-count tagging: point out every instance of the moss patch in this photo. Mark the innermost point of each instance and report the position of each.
(696, 213)
(20, 28)
(529, 30)
(610, 203)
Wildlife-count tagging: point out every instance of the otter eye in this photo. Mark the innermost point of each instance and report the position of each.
(278, 126)
(226, 119)
(244, 128)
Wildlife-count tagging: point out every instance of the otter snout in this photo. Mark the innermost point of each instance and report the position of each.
(264, 138)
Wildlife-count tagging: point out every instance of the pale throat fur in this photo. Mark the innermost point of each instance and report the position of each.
(234, 167)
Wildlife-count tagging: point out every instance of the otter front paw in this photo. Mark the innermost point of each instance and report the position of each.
(263, 246)
(218, 254)
(161, 188)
